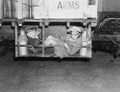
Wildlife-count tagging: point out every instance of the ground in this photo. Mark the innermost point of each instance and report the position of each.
(100, 75)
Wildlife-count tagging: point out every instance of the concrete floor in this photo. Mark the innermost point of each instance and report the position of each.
(100, 75)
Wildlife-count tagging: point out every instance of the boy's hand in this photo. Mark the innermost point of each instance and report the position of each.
(50, 41)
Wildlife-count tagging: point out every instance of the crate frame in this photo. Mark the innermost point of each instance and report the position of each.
(42, 23)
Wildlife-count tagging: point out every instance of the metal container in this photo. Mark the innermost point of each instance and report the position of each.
(22, 40)
(39, 9)
(7, 8)
(1, 9)
(20, 9)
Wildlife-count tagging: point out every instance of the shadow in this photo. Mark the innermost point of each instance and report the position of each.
(70, 59)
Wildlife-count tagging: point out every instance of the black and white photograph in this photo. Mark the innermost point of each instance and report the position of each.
(59, 45)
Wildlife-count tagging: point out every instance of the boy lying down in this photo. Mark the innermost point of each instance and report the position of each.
(67, 45)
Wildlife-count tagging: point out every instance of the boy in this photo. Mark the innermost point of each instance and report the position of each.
(67, 45)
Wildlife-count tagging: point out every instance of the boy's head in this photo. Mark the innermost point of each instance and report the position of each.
(34, 33)
(75, 32)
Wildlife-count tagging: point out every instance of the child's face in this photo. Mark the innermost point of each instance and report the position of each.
(74, 35)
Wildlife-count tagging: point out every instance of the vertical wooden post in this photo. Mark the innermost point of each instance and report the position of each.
(43, 36)
(16, 40)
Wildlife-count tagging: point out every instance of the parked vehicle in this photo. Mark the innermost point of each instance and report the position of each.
(108, 27)
(35, 20)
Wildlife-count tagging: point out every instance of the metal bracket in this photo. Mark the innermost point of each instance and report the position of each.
(40, 24)
(19, 22)
(68, 24)
(13, 24)
(0, 24)
(46, 22)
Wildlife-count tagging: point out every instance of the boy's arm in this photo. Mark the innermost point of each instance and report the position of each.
(73, 47)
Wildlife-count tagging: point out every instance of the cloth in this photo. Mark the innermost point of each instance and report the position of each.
(64, 46)
(72, 47)
(50, 41)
